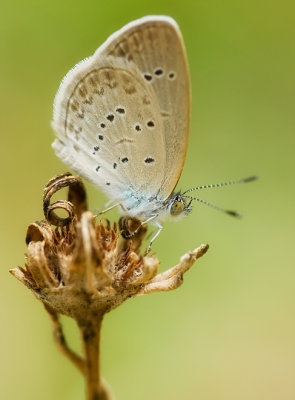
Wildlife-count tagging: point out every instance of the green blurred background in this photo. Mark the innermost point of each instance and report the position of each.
(228, 333)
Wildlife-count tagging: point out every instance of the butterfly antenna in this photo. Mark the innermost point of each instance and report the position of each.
(217, 185)
(229, 212)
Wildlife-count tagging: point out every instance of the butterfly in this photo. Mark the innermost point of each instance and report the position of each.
(121, 119)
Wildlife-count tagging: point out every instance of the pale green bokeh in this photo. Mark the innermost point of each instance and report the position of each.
(228, 333)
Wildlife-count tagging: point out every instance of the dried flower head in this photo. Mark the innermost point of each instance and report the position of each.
(83, 269)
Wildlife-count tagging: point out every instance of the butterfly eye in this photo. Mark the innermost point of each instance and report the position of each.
(176, 208)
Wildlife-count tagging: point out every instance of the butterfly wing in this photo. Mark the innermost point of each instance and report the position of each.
(109, 127)
(156, 46)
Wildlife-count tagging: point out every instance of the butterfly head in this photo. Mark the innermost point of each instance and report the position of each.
(178, 205)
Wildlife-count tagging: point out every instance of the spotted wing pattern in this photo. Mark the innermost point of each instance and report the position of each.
(109, 127)
(156, 46)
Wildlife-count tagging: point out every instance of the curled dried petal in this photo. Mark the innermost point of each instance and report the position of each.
(75, 205)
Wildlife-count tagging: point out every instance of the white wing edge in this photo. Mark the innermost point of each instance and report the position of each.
(59, 105)
(132, 26)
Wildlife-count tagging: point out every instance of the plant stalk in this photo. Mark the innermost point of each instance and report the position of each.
(90, 334)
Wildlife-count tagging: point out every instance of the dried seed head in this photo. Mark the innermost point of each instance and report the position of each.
(82, 268)
(76, 266)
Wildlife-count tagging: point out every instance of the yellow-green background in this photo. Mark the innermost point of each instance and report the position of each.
(228, 333)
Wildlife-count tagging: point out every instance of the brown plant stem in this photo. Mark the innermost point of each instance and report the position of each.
(61, 342)
(90, 334)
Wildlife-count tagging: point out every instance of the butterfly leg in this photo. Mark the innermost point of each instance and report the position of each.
(108, 209)
(141, 224)
(160, 227)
